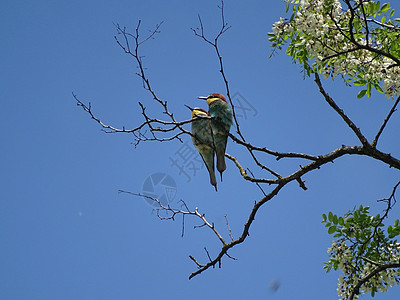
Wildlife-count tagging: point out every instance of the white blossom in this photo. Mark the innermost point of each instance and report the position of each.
(323, 35)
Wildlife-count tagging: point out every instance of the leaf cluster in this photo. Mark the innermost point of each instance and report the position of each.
(361, 44)
(361, 245)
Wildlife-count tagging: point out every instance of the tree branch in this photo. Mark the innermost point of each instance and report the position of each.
(361, 46)
(199, 32)
(380, 268)
(244, 173)
(175, 212)
(375, 142)
(175, 128)
(341, 113)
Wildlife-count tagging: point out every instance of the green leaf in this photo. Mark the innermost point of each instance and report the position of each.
(369, 89)
(323, 218)
(328, 267)
(335, 264)
(397, 20)
(395, 232)
(330, 216)
(378, 88)
(341, 221)
(361, 94)
(332, 229)
(335, 219)
(385, 7)
(360, 82)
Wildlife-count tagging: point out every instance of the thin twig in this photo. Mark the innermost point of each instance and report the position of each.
(175, 212)
(375, 142)
(259, 186)
(341, 113)
(245, 175)
(175, 128)
(229, 228)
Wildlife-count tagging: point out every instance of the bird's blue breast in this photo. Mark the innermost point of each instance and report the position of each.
(221, 110)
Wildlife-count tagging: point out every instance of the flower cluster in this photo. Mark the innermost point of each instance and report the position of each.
(368, 257)
(324, 37)
(354, 270)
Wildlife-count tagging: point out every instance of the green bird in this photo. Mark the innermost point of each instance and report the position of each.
(220, 110)
(202, 138)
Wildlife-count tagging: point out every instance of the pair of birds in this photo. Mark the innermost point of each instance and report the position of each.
(210, 135)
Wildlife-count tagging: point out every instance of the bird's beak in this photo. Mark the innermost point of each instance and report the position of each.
(202, 98)
(191, 109)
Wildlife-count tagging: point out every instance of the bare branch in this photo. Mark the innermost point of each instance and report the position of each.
(278, 155)
(229, 228)
(341, 113)
(88, 109)
(208, 254)
(174, 212)
(199, 32)
(391, 200)
(152, 129)
(195, 261)
(375, 142)
(135, 54)
(245, 175)
(323, 159)
(259, 186)
(169, 126)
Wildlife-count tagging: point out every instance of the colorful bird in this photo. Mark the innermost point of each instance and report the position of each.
(202, 138)
(220, 110)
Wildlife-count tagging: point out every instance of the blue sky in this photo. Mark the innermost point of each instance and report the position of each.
(66, 232)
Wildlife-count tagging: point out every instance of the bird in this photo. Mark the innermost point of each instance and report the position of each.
(202, 138)
(223, 118)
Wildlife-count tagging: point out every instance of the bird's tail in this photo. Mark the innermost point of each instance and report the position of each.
(213, 180)
(221, 166)
(209, 162)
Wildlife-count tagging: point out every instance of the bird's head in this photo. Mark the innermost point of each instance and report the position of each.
(213, 97)
(197, 111)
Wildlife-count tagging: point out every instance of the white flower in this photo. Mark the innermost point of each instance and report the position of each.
(321, 37)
